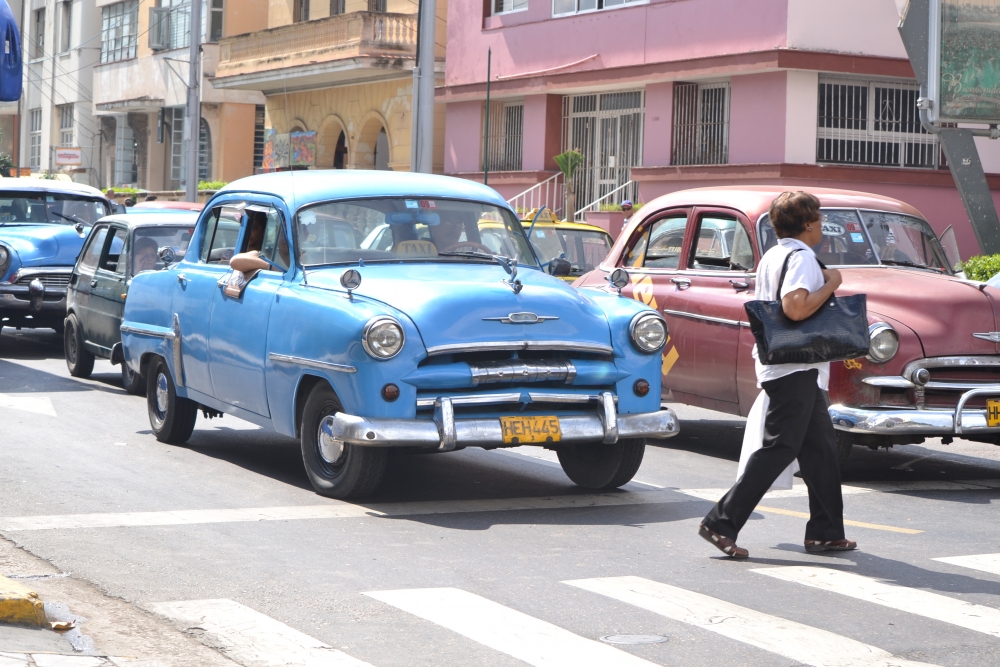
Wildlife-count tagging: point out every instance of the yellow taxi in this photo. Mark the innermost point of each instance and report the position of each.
(583, 246)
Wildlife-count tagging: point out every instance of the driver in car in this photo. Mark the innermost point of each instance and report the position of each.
(447, 233)
(145, 254)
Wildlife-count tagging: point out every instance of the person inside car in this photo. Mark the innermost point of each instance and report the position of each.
(145, 255)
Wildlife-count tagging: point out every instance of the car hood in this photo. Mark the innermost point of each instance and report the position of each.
(43, 245)
(943, 311)
(463, 303)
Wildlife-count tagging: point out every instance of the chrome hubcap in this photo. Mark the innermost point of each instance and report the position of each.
(331, 449)
(161, 393)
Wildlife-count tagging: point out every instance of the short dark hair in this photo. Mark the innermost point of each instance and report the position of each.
(144, 242)
(790, 211)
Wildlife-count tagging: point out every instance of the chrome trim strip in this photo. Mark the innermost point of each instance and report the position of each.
(483, 399)
(178, 359)
(537, 397)
(311, 363)
(40, 271)
(142, 331)
(495, 346)
(951, 362)
(895, 381)
(717, 320)
(521, 318)
(992, 336)
(961, 386)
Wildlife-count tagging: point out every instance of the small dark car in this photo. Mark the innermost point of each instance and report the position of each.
(119, 247)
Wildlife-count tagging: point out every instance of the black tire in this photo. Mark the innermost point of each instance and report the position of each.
(600, 466)
(356, 472)
(845, 444)
(171, 417)
(79, 361)
(132, 382)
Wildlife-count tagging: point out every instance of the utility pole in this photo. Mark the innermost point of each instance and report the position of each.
(422, 146)
(486, 131)
(192, 125)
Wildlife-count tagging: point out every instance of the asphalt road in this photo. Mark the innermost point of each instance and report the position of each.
(487, 558)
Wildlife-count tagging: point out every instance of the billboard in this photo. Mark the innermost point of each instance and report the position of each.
(964, 77)
(69, 157)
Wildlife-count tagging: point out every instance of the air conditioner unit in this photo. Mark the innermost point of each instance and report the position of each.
(159, 28)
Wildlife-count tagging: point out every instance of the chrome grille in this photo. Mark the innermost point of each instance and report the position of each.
(498, 372)
(50, 280)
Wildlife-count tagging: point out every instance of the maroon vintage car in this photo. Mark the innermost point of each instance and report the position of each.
(934, 365)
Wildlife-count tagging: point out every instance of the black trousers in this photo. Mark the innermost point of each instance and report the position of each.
(796, 426)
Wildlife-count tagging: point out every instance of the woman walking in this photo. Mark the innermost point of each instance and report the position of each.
(797, 424)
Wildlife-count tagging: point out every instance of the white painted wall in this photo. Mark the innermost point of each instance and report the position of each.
(847, 26)
(800, 116)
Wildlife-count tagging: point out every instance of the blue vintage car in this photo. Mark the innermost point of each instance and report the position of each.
(43, 225)
(451, 336)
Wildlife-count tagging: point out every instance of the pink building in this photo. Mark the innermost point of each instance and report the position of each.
(663, 95)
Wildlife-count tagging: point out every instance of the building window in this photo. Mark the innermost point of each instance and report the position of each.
(215, 15)
(35, 143)
(125, 153)
(300, 11)
(177, 158)
(701, 124)
(118, 31)
(873, 123)
(204, 152)
(377, 6)
(337, 7)
(65, 25)
(565, 7)
(505, 136)
(66, 134)
(39, 51)
(506, 6)
(170, 25)
(258, 139)
(607, 129)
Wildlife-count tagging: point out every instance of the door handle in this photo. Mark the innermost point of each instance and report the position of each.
(681, 282)
(93, 283)
(739, 284)
(181, 278)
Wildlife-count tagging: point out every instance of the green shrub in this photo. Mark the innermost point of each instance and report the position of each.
(122, 190)
(618, 207)
(6, 164)
(211, 185)
(982, 267)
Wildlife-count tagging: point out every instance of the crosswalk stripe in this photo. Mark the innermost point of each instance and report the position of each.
(336, 510)
(984, 562)
(795, 641)
(524, 637)
(41, 405)
(251, 638)
(799, 490)
(847, 522)
(913, 600)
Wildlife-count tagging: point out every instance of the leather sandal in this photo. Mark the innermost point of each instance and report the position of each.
(816, 546)
(722, 543)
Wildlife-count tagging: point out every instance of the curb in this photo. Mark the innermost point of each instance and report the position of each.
(19, 604)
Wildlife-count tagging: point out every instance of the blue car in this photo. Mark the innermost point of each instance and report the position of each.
(451, 336)
(43, 225)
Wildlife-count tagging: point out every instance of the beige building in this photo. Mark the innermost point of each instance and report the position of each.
(342, 69)
(140, 93)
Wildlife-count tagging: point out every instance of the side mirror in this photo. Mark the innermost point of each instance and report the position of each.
(559, 266)
(166, 255)
(618, 279)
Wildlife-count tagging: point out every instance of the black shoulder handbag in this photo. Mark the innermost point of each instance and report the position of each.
(837, 331)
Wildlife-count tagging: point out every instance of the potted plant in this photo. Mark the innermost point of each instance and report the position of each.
(568, 163)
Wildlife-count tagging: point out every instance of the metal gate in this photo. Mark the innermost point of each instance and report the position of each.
(607, 129)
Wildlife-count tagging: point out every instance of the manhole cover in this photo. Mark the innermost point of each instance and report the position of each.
(633, 639)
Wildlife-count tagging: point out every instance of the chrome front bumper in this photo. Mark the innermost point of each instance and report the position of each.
(926, 422)
(446, 433)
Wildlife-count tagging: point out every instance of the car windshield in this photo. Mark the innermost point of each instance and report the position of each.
(395, 229)
(148, 241)
(43, 207)
(857, 238)
(583, 248)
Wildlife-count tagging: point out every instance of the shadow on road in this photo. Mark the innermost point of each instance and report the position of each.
(30, 344)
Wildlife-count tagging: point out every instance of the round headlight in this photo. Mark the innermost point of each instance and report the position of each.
(648, 332)
(4, 260)
(884, 343)
(383, 337)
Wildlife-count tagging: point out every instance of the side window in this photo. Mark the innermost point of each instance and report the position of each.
(666, 237)
(211, 222)
(768, 239)
(227, 230)
(742, 256)
(93, 250)
(716, 241)
(112, 255)
(275, 245)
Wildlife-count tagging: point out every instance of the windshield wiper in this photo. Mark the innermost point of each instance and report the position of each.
(477, 255)
(901, 262)
(71, 218)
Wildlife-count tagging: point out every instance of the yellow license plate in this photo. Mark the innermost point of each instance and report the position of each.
(992, 413)
(521, 430)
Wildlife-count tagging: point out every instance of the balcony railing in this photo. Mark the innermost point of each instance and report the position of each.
(368, 32)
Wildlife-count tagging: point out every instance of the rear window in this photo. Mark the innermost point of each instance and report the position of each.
(147, 242)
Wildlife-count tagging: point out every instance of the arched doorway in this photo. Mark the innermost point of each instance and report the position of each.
(371, 150)
(331, 144)
(382, 151)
